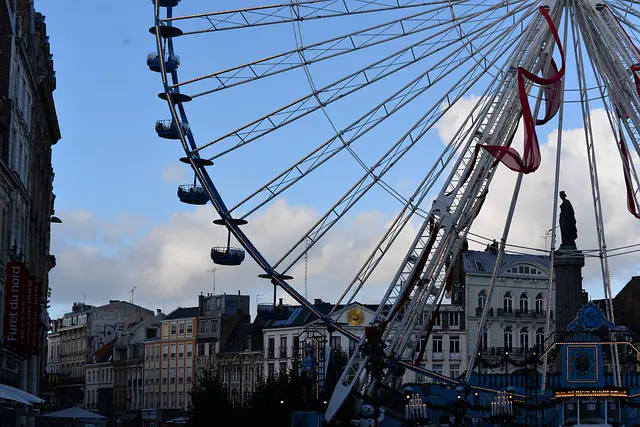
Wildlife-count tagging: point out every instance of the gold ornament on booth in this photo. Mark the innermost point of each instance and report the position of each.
(355, 317)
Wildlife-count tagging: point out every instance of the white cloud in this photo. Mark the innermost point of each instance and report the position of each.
(533, 213)
(168, 261)
(174, 173)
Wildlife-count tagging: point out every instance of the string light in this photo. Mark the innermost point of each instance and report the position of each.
(590, 393)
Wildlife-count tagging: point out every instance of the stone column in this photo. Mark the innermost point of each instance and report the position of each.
(568, 276)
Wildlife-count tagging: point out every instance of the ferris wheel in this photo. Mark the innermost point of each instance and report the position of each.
(335, 101)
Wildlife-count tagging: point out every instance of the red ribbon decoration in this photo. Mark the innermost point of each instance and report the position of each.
(631, 203)
(415, 277)
(553, 86)
(624, 154)
(551, 96)
(530, 161)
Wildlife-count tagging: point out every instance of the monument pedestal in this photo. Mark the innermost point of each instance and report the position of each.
(567, 264)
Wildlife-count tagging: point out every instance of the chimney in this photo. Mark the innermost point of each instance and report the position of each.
(280, 302)
(238, 292)
(158, 310)
(317, 301)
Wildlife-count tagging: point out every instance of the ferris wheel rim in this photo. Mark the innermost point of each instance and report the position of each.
(192, 150)
(189, 146)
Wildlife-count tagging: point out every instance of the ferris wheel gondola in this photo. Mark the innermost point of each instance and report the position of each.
(227, 255)
(374, 90)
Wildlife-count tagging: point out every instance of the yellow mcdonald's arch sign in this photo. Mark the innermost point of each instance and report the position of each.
(53, 379)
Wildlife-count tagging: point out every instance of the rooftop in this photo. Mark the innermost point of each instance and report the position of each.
(182, 313)
(482, 262)
(289, 316)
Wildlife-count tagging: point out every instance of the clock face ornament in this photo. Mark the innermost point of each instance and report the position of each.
(582, 366)
(355, 317)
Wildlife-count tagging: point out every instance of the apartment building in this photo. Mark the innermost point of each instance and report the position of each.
(169, 361)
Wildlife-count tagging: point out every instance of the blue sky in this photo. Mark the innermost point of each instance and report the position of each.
(116, 180)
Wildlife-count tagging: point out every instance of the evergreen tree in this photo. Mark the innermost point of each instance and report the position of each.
(209, 399)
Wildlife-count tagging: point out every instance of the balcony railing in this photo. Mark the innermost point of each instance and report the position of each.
(271, 353)
(455, 356)
(283, 353)
(532, 314)
(437, 356)
(504, 313)
(479, 311)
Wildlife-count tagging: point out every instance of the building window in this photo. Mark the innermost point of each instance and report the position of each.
(173, 329)
(482, 299)
(200, 349)
(480, 266)
(352, 347)
(455, 371)
(508, 339)
(189, 328)
(271, 347)
(524, 339)
(437, 368)
(454, 345)
(539, 339)
(181, 328)
(484, 342)
(283, 368)
(336, 343)
(438, 320)
(271, 370)
(507, 303)
(539, 304)
(235, 374)
(524, 303)
(454, 319)
(283, 346)
(437, 344)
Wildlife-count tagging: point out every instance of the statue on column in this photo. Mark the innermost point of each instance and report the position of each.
(568, 228)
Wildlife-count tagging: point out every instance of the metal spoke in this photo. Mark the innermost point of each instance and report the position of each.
(361, 126)
(440, 166)
(397, 151)
(326, 49)
(304, 11)
(340, 89)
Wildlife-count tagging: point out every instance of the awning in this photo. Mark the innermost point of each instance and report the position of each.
(179, 420)
(77, 414)
(17, 395)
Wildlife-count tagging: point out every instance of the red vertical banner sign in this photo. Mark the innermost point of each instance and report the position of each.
(15, 319)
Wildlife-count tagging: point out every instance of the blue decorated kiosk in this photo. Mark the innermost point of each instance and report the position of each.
(590, 388)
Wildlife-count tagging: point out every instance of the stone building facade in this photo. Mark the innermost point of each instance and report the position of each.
(169, 361)
(519, 303)
(128, 368)
(217, 317)
(79, 334)
(98, 381)
(28, 130)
